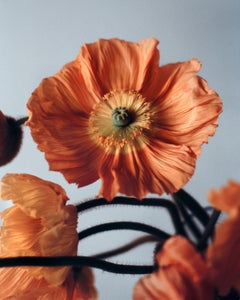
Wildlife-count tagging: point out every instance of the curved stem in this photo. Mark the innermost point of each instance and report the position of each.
(123, 225)
(209, 229)
(133, 244)
(78, 261)
(189, 219)
(192, 205)
(155, 202)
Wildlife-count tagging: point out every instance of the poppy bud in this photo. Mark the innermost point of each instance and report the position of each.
(10, 138)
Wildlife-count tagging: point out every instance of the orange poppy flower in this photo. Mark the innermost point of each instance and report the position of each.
(114, 114)
(181, 276)
(38, 224)
(223, 253)
(10, 139)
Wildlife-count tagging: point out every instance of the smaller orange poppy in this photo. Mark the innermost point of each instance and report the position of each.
(40, 224)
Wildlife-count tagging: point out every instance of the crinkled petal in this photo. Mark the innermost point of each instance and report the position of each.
(37, 198)
(34, 239)
(114, 64)
(157, 168)
(60, 240)
(187, 110)
(21, 230)
(67, 89)
(17, 283)
(64, 135)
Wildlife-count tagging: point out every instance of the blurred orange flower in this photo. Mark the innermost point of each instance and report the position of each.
(39, 224)
(186, 274)
(114, 114)
(10, 139)
(223, 253)
(181, 275)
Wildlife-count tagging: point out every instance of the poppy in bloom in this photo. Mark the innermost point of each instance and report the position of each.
(223, 253)
(39, 224)
(114, 114)
(10, 138)
(181, 275)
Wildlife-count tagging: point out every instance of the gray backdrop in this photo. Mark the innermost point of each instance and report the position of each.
(38, 37)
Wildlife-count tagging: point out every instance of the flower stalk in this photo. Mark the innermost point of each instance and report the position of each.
(146, 202)
(76, 261)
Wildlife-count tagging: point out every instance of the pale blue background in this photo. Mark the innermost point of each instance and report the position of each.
(38, 37)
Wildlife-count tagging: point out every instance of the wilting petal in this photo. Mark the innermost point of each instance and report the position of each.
(181, 275)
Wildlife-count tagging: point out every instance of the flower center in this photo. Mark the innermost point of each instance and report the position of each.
(120, 121)
(121, 117)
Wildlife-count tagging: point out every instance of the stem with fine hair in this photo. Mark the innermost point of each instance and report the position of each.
(123, 226)
(127, 247)
(209, 229)
(151, 202)
(75, 261)
(192, 204)
(188, 218)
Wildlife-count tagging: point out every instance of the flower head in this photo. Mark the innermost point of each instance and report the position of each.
(10, 138)
(181, 274)
(114, 114)
(38, 224)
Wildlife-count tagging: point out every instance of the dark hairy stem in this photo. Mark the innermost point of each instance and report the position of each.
(208, 230)
(192, 204)
(129, 246)
(188, 218)
(123, 226)
(75, 261)
(151, 202)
